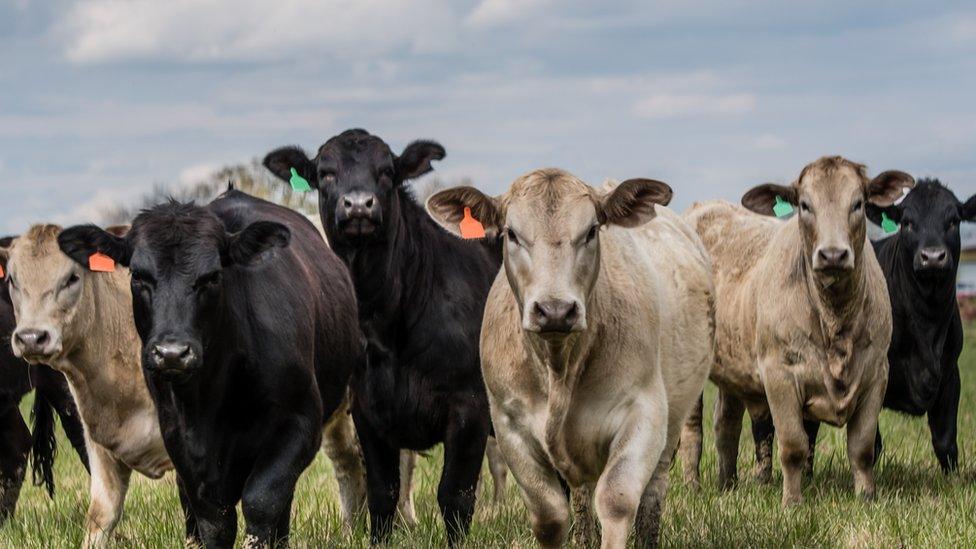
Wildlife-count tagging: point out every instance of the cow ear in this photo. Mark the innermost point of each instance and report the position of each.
(887, 187)
(415, 160)
(255, 239)
(281, 161)
(874, 213)
(762, 198)
(631, 203)
(968, 210)
(5, 244)
(447, 208)
(81, 241)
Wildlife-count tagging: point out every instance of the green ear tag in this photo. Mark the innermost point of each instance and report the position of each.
(782, 208)
(298, 182)
(888, 225)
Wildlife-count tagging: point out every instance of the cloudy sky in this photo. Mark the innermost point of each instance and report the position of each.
(102, 98)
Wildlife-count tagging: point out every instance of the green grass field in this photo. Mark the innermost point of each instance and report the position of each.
(916, 506)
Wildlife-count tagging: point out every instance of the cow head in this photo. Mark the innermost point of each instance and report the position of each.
(551, 223)
(45, 288)
(929, 216)
(357, 176)
(830, 196)
(177, 255)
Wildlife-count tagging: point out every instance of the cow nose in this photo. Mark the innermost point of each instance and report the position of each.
(832, 258)
(171, 355)
(934, 257)
(555, 315)
(358, 204)
(32, 341)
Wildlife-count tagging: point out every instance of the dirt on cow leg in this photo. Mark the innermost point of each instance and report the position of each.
(586, 530)
(728, 428)
(690, 447)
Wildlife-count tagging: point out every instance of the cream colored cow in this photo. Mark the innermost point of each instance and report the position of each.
(802, 313)
(596, 342)
(80, 323)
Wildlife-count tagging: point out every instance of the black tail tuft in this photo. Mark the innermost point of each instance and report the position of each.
(45, 445)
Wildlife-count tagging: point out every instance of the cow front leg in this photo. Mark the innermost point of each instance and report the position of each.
(464, 452)
(786, 409)
(812, 429)
(109, 485)
(270, 487)
(192, 539)
(728, 428)
(690, 446)
(405, 508)
(13, 459)
(341, 445)
(382, 479)
(943, 421)
(862, 430)
(635, 454)
(498, 470)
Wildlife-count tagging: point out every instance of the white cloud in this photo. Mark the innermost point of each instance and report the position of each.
(769, 142)
(674, 105)
(217, 30)
(497, 12)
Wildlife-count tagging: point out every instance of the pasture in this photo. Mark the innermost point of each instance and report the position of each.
(916, 505)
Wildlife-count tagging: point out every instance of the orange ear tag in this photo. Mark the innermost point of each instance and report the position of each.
(2, 274)
(471, 227)
(101, 263)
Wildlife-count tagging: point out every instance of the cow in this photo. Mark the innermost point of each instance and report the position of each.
(51, 395)
(919, 263)
(803, 316)
(421, 294)
(248, 333)
(80, 323)
(596, 341)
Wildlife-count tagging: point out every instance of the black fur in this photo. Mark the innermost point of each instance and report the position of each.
(269, 316)
(421, 295)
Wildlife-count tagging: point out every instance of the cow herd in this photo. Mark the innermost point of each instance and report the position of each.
(564, 330)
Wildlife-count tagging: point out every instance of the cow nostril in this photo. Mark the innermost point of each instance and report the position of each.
(346, 202)
(539, 310)
(369, 202)
(572, 312)
(42, 338)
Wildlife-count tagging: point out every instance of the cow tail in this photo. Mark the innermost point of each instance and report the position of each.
(45, 445)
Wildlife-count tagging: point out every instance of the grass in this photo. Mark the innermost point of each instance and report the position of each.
(916, 506)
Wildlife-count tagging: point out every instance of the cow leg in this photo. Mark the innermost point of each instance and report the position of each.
(268, 492)
(862, 430)
(942, 421)
(217, 525)
(585, 527)
(690, 446)
(763, 434)
(541, 487)
(498, 469)
(109, 485)
(382, 479)
(464, 452)
(13, 459)
(341, 445)
(728, 428)
(192, 539)
(812, 429)
(635, 455)
(785, 407)
(405, 508)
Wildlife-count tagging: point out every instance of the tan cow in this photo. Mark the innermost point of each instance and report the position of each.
(80, 323)
(802, 313)
(596, 341)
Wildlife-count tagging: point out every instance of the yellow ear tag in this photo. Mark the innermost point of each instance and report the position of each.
(471, 227)
(101, 263)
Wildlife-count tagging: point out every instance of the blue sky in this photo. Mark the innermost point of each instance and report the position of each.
(101, 99)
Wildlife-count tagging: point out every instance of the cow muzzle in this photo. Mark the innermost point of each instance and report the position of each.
(931, 260)
(172, 359)
(555, 317)
(833, 259)
(358, 214)
(36, 345)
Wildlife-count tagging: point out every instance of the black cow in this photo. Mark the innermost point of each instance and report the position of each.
(249, 332)
(919, 263)
(51, 396)
(421, 295)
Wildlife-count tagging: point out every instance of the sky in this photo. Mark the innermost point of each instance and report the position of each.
(101, 99)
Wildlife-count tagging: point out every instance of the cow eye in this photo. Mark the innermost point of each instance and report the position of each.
(857, 206)
(592, 233)
(72, 280)
(328, 178)
(952, 225)
(908, 226)
(207, 281)
(511, 237)
(804, 206)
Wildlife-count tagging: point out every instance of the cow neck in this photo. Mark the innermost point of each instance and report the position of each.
(222, 355)
(396, 269)
(838, 305)
(938, 294)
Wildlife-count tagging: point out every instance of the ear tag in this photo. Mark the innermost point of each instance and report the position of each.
(471, 227)
(298, 182)
(888, 225)
(101, 263)
(2, 274)
(782, 208)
